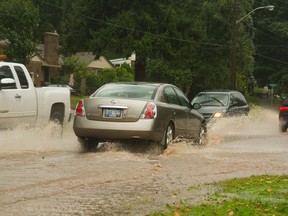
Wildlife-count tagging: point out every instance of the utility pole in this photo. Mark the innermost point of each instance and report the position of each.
(233, 75)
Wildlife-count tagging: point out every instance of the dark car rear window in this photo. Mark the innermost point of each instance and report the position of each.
(126, 91)
(285, 102)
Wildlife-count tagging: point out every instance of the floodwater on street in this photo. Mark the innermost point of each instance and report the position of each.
(44, 175)
(39, 139)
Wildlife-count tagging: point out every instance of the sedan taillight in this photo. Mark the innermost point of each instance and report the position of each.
(80, 111)
(150, 111)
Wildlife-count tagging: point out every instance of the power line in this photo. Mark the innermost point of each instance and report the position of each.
(272, 59)
(212, 45)
(153, 34)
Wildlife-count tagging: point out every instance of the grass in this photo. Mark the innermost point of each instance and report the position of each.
(257, 195)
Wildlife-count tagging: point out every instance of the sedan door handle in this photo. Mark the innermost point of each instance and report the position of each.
(18, 96)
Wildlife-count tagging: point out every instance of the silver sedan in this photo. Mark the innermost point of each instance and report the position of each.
(153, 112)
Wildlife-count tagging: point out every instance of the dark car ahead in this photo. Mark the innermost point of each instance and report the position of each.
(213, 104)
(154, 112)
(283, 115)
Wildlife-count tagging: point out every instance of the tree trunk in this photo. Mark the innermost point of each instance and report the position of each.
(140, 69)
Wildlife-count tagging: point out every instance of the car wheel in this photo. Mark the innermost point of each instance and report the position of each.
(282, 126)
(88, 144)
(168, 136)
(201, 137)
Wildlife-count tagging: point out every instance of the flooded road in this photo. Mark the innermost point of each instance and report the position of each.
(42, 175)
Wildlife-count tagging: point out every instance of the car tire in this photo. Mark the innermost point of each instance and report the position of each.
(88, 144)
(282, 125)
(168, 136)
(201, 137)
(283, 129)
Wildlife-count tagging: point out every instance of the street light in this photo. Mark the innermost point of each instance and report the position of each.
(268, 7)
(234, 41)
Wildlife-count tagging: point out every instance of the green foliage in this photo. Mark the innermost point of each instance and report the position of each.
(93, 82)
(159, 71)
(190, 37)
(52, 15)
(19, 21)
(271, 45)
(73, 65)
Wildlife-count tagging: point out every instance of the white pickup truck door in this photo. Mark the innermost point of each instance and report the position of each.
(17, 104)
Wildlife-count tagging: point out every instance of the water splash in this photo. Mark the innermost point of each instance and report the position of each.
(37, 139)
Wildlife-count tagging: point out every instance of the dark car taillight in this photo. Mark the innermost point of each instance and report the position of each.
(80, 111)
(282, 109)
(150, 111)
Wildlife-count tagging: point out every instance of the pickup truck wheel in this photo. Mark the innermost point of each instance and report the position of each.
(57, 116)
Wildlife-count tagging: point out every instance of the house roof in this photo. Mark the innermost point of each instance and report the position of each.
(100, 63)
(36, 58)
(120, 61)
(86, 57)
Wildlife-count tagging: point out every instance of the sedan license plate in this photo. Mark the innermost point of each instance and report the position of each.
(112, 113)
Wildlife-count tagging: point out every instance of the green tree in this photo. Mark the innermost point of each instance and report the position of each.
(116, 74)
(72, 65)
(271, 45)
(189, 37)
(52, 15)
(19, 21)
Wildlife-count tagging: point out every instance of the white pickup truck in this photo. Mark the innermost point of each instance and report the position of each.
(21, 102)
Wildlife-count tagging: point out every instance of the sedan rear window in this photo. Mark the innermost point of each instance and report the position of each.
(126, 91)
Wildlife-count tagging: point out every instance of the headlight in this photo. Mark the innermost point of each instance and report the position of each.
(218, 115)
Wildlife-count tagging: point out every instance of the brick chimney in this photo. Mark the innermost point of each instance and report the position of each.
(51, 45)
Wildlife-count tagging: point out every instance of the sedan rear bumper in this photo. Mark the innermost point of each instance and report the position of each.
(144, 129)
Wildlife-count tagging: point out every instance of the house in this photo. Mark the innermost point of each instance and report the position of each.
(120, 61)
(94, 65)
(97, 66)
(44, 64)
